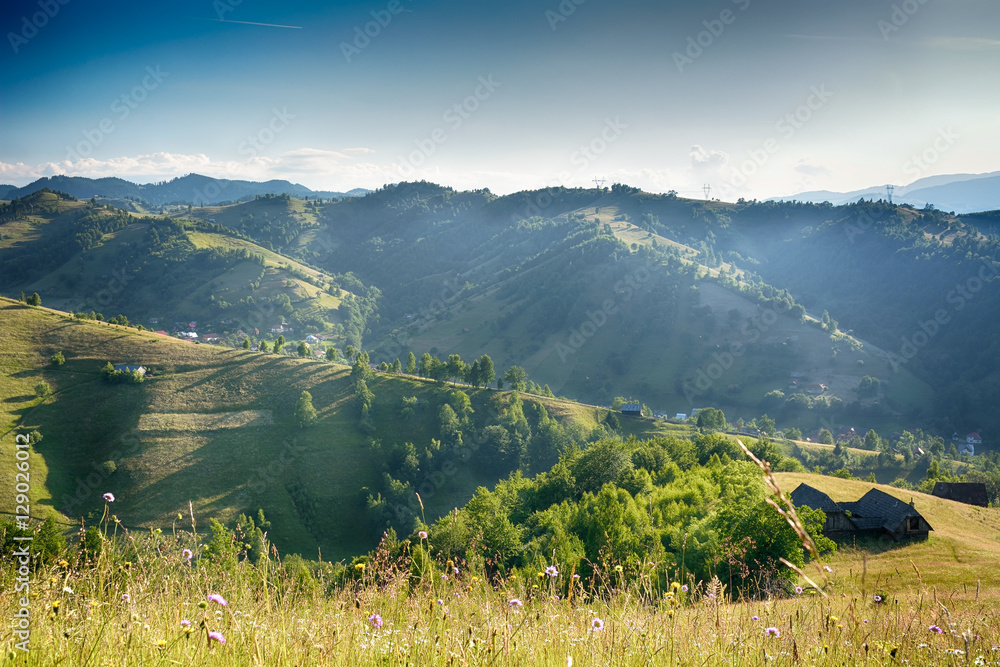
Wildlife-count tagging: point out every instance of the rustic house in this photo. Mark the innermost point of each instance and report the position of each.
(970, 493)
(876, 513)
(633, 409)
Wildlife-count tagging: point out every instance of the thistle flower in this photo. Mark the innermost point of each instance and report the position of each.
(772, 632)
(215, 597)
(597, 624)
(375, 621)
(217, 636)
(109, 497)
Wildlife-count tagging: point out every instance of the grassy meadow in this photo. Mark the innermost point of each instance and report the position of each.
(144, 601)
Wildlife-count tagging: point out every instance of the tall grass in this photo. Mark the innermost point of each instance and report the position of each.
(128, 605)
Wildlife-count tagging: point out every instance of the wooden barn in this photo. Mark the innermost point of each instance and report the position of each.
(876, 513)
(970, 493)
(633, 409)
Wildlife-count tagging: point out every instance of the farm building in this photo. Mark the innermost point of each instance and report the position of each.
(970, 493)
(875, 513)
(633, 409)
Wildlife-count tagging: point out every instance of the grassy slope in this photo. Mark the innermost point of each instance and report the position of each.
(187, 432)
(88, 281)
(963, 548)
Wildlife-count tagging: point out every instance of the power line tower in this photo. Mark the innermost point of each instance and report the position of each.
(888, 191)
(599, 183)
(707, 189)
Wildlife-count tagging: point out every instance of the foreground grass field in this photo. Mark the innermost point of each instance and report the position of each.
(147, 601)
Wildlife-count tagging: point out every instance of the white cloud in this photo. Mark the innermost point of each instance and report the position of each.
(707, 162)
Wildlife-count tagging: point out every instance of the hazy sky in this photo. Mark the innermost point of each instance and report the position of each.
(755, 98)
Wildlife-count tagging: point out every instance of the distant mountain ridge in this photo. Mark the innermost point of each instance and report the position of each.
(961, 193)
(191, 189)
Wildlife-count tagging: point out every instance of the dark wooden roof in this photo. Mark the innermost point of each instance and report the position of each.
(876, 509)
(814, 498)
(890, 509)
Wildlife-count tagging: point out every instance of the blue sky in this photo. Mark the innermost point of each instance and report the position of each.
(755, 98)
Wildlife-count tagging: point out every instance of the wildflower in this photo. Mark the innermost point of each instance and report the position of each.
(711, 596)
(126, 597)
(63, 563)
(110, 497)
(798, 590)
(422, 534)
(449, 564)
(552, 571)
(597, 624)
(515, 603)
(217, 636)
(215, 597)
(755, 618)
(160, 643)
(675, 586)
(833, 619)
(684, 588)
(827, 568)
(619, 569)
(67, 590)
(576, 576)
(188, 631)
(55, 605)
(375, 621)
(670, 613)
(878, 598)
(359, 567)
(185, 623)
(772, 632)
(187, 554)
(935, 629)
(454, 570)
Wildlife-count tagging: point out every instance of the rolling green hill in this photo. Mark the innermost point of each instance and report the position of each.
(158, 272)
(215, 426)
